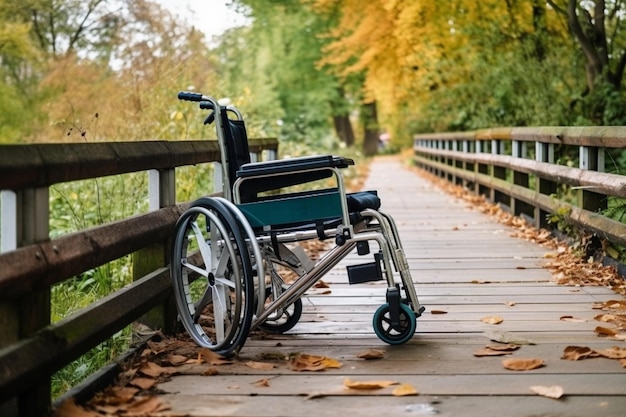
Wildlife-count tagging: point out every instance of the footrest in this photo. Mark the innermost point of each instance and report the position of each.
(367, 272)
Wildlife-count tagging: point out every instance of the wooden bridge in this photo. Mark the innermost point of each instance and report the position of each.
(481, 287)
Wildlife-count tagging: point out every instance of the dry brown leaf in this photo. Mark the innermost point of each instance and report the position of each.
(208, 356)
(491, 352)
(143, 383)
(122, 394)
(614, 352)
(553, 391)
(176, 360)
(522, 364)
(605, 331)
(404, 390)
(510, 303)
(575, 353)
(69, 408)
(211, 372)
(371, 354)
(492, 319)
(623, 363)
(367, 384)
(262, 366)
(507, 347)
(572, 319)
(305, 362)
(146, 406)
(615, 304)
(321, 284)
(262, 382)
(154, 370)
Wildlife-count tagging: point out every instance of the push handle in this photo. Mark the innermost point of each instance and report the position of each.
(189, 96)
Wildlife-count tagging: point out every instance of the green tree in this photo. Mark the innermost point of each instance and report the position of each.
(597, 27)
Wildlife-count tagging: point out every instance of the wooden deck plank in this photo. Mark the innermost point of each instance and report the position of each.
(449, 248)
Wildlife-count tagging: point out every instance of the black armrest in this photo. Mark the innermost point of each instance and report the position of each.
(285, 166)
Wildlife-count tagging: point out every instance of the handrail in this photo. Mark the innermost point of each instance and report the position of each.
(32, 349)
(523, 169)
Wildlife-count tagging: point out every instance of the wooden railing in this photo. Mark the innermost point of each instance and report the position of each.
(31, 348)
(540, 173)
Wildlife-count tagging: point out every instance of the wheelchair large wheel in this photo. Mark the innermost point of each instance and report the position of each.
(394, 334)
(212, 277)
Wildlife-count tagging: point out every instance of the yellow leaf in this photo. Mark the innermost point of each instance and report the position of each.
(304, 362)
(404, 390)
(553, 391)
(492, 319)
(367, 384)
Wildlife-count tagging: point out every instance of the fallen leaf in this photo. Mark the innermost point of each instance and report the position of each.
(146, 406)
(492, 319)
(143, 383)
(367, 384)
(572, 319)
(304, 362)
(522, 364)
(507, 337)
(123, 394)
(553, 391)
(575, 353)
(176, 359)
(262, 382)
(614, 352)
(371, 354)
(623, 363)
(154, 370)
(605, 331)
(69, 408)
(615, 304)
(262, 366)
(496, 350)
(438, 312)
(510, 303)
(507, 348)
(491, 352)
(404, 390)
(210, 372)
(208, 356)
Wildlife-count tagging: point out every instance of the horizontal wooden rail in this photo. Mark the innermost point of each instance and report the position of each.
(31, 348)
(529, 170)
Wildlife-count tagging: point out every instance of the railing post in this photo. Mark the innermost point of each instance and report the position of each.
(592, 159)
(21, 318)
(544, 152)
(500, 173)
(518, 207)
(161, 193)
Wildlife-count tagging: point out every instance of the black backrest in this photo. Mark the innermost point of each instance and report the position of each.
(236, 142)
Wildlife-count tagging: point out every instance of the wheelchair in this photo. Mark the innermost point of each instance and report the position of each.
(231, 254)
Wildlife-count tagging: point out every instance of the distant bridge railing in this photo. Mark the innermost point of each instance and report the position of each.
(538, 172)
(31, 348)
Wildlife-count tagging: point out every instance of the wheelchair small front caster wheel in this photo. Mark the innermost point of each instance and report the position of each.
(290, 315)
(392, 334)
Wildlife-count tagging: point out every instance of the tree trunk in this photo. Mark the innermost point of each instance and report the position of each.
(343, 128)
(369, 118)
